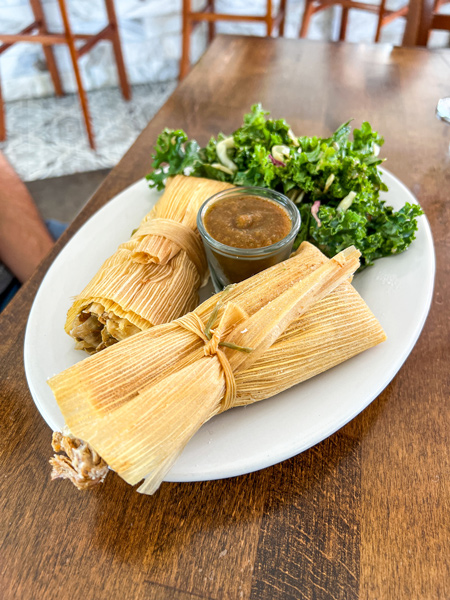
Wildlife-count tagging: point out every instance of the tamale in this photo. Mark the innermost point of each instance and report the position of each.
(151, 279)
(139, 402)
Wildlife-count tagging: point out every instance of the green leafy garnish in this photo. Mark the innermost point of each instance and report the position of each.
(334, 181)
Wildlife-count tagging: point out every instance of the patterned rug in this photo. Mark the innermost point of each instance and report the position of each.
(47, 136)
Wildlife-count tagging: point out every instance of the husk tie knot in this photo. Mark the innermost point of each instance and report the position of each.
(214, 338)
(178, 233)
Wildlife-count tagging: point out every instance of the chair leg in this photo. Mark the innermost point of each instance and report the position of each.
(269, 18)
(282, 8)
(39, 15)
(2, 118)
(117, 48)
(344, 21)
(73, 55)
(211, 24)
(307, 14)
(186, 39)
(380, 20)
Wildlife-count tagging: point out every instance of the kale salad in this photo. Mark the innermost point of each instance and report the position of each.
(335, 182)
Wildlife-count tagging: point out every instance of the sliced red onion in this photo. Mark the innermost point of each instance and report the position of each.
(314, 210)
(276, 162)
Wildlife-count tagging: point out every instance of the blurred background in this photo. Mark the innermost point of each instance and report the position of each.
(46, 138)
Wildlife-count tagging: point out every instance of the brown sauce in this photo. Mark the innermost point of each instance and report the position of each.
(247, 222)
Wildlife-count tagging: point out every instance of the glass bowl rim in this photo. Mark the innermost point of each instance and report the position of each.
(277, 197)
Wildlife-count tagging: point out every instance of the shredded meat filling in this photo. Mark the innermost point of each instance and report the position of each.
(82, 465)
(95, 329)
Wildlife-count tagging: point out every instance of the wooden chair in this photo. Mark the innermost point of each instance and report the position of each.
(385, 16)
(191, 19)
(38, 33)
(424, 17)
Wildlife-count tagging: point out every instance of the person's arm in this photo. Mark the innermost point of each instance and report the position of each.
(24, 239)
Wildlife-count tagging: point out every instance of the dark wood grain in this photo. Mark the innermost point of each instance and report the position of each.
(362, 515)
(312, 511)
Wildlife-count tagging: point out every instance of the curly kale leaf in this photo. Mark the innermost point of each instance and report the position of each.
(388, 233)
(174, 154)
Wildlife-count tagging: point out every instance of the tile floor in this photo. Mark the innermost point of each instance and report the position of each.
(62, 198)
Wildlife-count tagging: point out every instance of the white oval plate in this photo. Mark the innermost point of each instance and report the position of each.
(398, 289)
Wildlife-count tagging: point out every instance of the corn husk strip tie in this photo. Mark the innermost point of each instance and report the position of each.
(181, 235)
(230, 316)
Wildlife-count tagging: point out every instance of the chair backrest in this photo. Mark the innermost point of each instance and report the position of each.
(421, 20)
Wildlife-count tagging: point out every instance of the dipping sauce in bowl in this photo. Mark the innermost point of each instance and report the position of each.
(245, 221)
(246, 230)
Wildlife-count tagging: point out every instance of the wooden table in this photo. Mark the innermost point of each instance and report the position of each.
(362, 515)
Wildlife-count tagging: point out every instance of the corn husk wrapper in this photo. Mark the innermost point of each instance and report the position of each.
(151, 279)
(138, 403)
